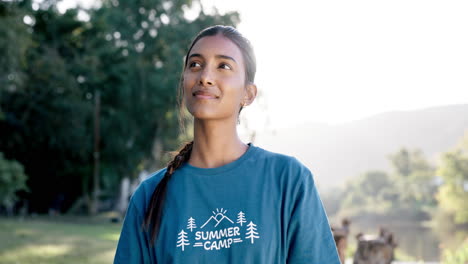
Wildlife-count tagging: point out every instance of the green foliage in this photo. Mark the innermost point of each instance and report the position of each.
(368, 194)
(458, 256)
(406, 162)
(14, 43)
(131, 52)
(12, 180)
(453, 194)
(406, 194)
(413, 193)
(416, 183)
(47, 125)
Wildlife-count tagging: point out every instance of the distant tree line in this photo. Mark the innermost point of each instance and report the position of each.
(414, 191)
(52, 67)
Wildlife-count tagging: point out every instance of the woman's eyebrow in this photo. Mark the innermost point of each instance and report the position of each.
(217, 56)
(226, 57)
(195, 55)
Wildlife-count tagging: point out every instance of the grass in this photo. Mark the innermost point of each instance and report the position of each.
(58, 240)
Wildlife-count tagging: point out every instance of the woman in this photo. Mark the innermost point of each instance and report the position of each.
(220, 200)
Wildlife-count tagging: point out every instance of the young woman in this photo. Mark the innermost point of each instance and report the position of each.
(220, 200)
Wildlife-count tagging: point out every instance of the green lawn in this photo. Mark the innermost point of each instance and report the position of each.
(59, 240)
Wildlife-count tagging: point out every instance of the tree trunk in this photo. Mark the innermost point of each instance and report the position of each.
(124, 194)
(94, 201)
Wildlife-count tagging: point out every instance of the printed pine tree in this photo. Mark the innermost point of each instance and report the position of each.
(182, 240)
(251, 232)
(241, 218)
(191, 224)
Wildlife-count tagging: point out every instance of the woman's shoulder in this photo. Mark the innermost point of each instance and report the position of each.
(283, 162)
(142, 195)
(153, 179)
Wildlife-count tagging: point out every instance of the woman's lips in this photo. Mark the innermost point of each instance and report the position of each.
(204, 95)
(201, 96)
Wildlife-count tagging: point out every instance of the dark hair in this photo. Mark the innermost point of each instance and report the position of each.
(154, 212)
(241, 42)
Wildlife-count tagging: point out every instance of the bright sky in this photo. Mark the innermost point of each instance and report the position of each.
(337, 61)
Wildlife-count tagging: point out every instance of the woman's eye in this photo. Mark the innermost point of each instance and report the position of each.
(225, 66)
(194, 64)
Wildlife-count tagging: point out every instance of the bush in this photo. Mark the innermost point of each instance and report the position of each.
(458, 256)
(12, 180)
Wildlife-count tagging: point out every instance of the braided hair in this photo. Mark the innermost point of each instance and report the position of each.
(154, 212)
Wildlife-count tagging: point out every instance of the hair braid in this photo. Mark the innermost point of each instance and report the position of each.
(153, 215)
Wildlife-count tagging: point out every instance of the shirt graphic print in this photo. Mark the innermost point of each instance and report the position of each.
(218, 232)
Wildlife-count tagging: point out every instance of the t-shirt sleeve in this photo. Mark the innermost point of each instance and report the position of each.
(309, 235)
(133, 246)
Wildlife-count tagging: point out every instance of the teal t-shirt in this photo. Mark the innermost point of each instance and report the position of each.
(261, 208)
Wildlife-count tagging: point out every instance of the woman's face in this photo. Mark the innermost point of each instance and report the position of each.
(214, 79)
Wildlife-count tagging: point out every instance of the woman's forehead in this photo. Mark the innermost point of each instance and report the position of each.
(216, 45)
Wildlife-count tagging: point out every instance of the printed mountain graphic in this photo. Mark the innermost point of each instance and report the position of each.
(217, 218)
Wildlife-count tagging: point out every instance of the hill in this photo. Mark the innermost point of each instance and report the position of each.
(336, 153)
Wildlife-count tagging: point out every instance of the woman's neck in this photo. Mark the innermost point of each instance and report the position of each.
(216, 143)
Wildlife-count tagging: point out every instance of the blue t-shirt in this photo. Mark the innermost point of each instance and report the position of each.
(261, 208)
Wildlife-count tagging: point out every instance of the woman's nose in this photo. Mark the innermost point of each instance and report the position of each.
(206, 77)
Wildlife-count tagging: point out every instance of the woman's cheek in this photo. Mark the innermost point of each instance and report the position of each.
(187, 85)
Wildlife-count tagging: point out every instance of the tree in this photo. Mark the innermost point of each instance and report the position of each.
(453, 194)
(241, 218)
(182, 240)
(405, 162)
(457, 256)
(252, 232)
(407, 193)
(46, 117)
(415, 180)
(12, 180)
(370, 194)
(401, 162)
(15, 42)
(191, 224)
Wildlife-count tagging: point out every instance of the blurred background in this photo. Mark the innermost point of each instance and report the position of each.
(372, 96)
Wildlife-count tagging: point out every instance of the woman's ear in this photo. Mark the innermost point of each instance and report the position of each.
(250, 94)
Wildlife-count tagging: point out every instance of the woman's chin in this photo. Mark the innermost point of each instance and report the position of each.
(211, 113)
(204, 113)
(210, 117)
(205, 117)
